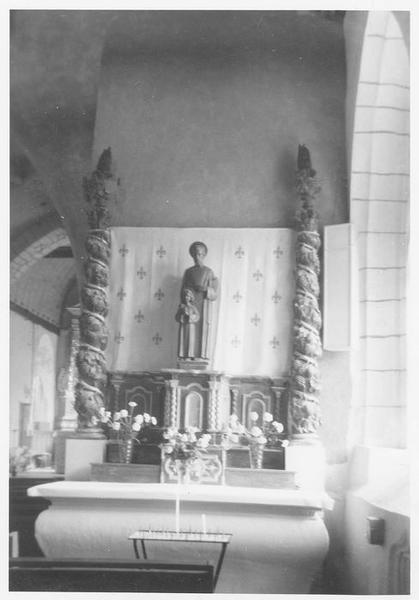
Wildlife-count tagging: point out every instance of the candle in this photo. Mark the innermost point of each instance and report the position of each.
(177, 511)
(204, 524)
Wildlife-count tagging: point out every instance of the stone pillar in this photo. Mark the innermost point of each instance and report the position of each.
(67, 379)
(68, 421)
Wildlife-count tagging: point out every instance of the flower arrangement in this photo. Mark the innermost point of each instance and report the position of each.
(187, 446)
(268, 433)
(123, 425)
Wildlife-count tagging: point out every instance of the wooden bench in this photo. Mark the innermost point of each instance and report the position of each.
(68, 575)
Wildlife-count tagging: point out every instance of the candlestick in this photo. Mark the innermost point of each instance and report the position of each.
(177, 511)
(204, 524)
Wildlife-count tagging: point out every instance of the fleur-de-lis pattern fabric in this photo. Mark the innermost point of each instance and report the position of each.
(252, 317)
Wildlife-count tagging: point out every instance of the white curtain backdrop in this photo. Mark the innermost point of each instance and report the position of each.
(253, 317)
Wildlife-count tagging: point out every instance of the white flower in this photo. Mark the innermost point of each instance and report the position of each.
(254, 416)
(133, 404)
(108, 414)
(146, 418)
(267, 417)
(279, 428)
(191, 432)
(168, 449)
(169, 433)
(153, 421)
(261, 440)
(104, 419)
(116, 416)
(184, 437)
(102, 411)
(124, 413)
(136, 426)
(139, 419)
(285, 443)
(116, 426)
(255, 431)
(94, 420)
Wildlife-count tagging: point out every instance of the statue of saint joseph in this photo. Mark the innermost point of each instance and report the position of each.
(194, 315)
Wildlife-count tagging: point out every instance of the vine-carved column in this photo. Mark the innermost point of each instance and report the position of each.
(304, 412)
(100, 191)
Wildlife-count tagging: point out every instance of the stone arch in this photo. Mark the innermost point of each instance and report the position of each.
(379, 208)
(40, 245)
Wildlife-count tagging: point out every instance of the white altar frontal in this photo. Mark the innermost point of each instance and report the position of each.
(278, 537)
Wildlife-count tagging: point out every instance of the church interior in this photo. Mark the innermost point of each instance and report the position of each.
(209, 228)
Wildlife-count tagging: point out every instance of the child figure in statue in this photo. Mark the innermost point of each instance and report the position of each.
(187, 316)
(201, 282)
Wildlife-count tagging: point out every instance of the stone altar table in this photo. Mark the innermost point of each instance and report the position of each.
(278, 542)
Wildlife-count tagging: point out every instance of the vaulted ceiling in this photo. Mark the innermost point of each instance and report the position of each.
(55, 65)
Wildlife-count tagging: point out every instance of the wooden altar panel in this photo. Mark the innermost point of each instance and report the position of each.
(259, 394)
(204, 399)
(147, 389)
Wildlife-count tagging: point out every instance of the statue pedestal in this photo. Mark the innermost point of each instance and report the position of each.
(195, 364)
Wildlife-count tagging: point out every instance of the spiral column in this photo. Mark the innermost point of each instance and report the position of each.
(99, 190)
(303, 408)
(174, 404)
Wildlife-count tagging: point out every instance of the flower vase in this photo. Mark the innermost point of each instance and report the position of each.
(256, 455)
(126, 451)
(113, 451)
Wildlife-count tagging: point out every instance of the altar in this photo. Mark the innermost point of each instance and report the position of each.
(231, 347)
(278, 538)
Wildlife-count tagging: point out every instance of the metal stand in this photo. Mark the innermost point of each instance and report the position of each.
(182, 536)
